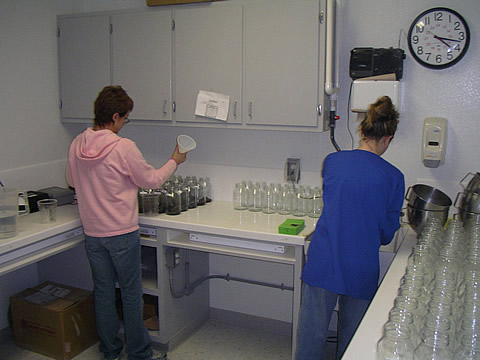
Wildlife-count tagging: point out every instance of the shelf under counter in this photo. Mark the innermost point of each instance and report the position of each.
(182, 240)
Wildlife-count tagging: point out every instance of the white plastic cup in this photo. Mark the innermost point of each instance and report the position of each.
(48, 210)
(185, 143)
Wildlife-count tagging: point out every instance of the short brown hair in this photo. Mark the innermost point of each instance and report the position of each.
(381, 120)
(111, 100)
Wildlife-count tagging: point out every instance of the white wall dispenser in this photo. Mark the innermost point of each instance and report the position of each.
(366, 92)
(434, 141)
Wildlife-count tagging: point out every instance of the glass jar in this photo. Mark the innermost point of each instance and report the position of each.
(434, 346)
(239, 197)
(174, 202)
(257, 197)
(395, 344)
(317, 203)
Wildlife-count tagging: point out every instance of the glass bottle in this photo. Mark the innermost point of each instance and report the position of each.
(434, 346)
(239, 197)
(395, 344)
(257, 197)
(317, 203)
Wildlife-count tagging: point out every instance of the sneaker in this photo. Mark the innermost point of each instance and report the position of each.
(159, 355)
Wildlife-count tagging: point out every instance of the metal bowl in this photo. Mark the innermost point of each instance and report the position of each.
(469, 201)
(473, 184)
(417, 218)
(468, 218)
(425, 197)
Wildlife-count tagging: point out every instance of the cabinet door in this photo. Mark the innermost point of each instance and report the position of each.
(84, 63)
(208, 56)
(282, 63)
(141, 61)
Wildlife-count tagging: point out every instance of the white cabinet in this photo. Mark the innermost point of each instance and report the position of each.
(283, 64)
(141, 61)
(208, 56)
(84, 63)
(268, 57)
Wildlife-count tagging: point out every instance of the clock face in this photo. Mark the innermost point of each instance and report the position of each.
(438, 38)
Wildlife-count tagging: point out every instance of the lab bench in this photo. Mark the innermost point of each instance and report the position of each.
(179, 248)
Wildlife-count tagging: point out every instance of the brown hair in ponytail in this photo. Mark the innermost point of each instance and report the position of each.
(381, 119)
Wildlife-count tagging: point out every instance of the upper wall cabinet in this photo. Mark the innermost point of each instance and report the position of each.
(208, 56)
(282, 63)
(268, 57)
(84, 63)
(141, 61)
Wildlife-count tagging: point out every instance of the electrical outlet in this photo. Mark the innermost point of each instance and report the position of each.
(292, 170)
(172, 257)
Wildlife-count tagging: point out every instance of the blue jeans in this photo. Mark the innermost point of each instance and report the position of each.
(315, 312)
(117, 259)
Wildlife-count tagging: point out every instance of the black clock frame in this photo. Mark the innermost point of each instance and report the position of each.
(453, 62)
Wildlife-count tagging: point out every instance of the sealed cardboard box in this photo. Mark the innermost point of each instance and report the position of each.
(54, 320)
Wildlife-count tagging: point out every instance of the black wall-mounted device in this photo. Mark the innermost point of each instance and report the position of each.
(367, 61)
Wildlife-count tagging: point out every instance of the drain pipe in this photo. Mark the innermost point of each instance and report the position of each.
(190, 288)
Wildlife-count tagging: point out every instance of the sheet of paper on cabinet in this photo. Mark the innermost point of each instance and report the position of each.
(212, 105)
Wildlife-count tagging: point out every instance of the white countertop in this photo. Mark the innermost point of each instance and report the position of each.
(364, 343)
(30, 230)
(220, 218)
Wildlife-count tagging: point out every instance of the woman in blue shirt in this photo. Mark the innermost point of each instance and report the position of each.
(363, 196)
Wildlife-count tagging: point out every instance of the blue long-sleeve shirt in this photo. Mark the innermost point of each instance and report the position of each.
(363, 196)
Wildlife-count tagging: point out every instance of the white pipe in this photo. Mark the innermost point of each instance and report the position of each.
(330, 88)
(338, 42)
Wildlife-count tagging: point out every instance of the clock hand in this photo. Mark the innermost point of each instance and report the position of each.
(441, 39)
(444, 38)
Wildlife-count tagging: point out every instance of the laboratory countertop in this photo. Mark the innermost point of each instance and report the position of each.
(218, 218)
(364, 343)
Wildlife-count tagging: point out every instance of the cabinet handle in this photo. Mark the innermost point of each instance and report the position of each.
(174, 106)
(164, 108)
(250, 110)
(319, 109)
(235, 110)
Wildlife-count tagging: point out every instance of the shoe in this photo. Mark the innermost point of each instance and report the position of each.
(159, 355)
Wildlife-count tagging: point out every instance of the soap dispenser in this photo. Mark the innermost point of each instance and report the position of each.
(434, 141)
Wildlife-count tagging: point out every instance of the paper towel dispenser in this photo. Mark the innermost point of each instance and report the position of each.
(367, 61)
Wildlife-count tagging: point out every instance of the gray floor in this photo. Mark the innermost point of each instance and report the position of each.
(213, 341)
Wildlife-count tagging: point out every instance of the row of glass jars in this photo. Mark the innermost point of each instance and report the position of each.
(176, 195)
(436, 314)
(278, 198)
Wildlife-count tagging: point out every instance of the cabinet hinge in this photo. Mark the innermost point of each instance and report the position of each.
(111, 29)
(321, 17)
(173, 25)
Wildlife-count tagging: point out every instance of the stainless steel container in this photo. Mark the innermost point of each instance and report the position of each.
(474, 183)
(425, 197)
(417, 218)
(469, 201)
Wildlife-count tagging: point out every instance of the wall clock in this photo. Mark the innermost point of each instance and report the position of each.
(438, 38)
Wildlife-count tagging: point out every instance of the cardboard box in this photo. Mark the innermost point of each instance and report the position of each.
(54, 320)
(175, 2)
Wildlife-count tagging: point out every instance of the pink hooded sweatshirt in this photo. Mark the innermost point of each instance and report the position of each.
(106, 171)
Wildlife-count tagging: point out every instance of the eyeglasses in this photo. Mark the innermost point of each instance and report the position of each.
(127, 120)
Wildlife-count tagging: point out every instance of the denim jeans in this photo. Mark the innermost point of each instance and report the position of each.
(117, 259)
(315, 312)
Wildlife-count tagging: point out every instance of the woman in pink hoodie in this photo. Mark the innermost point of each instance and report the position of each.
(106, 171)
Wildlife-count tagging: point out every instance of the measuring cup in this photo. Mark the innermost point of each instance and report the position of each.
(13, 203)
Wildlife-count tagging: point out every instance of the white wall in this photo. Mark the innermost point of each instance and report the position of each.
(33, 143)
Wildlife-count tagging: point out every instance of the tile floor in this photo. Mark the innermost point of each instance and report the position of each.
(213, 341)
